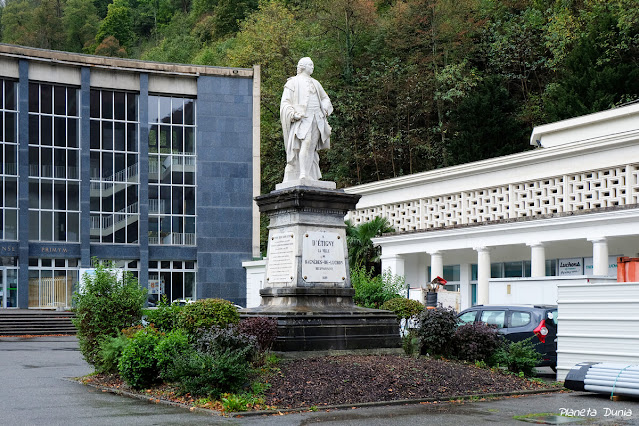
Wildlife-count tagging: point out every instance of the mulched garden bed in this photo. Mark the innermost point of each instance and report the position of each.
(355, 379)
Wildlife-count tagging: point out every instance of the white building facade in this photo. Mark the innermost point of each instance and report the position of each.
(500, 229)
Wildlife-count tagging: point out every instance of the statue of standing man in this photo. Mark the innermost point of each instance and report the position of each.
(304, 109)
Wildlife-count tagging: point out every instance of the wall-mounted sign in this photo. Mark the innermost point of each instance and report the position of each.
(280, 264)
(323, 257)
(574, 266)
(612, 266)
(54, 250)
(8, 250)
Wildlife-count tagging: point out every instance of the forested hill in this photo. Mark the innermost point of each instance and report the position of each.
(416, 84)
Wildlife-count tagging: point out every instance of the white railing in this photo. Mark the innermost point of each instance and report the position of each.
(175, 238)
(613, 186)
(109, 220)
(156, 206)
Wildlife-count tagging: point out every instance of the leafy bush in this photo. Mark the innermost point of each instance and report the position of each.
(217, 340)
(138, 365)
(110, 352)
(410, 343)
(476, 342)
(372, 291)
(210, 375)
(436, 331)
(403, 308)
(105, 306)
(170, 347)
(519, 357)
(262, 328)
(206, 313)
(165, 317)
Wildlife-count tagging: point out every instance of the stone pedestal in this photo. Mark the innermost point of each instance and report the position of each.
(308, 288)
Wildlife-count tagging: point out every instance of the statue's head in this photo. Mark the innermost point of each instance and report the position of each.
(305, 64)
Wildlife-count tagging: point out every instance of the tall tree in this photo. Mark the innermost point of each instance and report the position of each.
(274, 38)
(80, 22)
(117, 23)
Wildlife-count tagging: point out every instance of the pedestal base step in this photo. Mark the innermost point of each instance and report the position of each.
(321, 331)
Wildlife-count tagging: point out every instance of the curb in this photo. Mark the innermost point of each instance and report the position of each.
(149, 399)
(157, 400)
(393, 402)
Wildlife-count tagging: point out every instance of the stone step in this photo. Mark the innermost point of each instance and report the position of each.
(35, 322)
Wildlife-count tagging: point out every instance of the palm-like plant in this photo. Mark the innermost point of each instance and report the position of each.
(361, 252)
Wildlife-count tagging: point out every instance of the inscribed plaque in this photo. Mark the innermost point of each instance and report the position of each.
(323, 257)
(281, 258)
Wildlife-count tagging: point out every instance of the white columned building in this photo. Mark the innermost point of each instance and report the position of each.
(501, 230)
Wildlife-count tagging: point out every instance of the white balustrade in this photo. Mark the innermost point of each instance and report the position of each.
(592, 189)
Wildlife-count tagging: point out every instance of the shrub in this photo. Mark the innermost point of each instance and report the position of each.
(110, 352)
(403, 308)
(476, 342)
(410, 343)
(262, 328)
(138, 365)
(436, 330)
(372, 291)
(206, 313)
(105, 306)
(165, 317)
(169, 348)
(519, 357)
(205, 375)
(216, 340)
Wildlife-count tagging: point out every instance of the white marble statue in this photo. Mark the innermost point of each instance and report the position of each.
(303, 112)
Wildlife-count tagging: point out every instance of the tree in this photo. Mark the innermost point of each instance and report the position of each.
(275, 39)
(117, 23)
(33, 23)
(80, 22)
(110, 46)
(104, 306)
(361, 252)
(486, 125)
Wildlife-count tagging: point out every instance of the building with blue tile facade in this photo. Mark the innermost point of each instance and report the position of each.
(152, 166)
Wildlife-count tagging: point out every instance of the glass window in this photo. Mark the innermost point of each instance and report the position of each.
(519, 319)
(467, 317)
(54, 162)
(171, 171)
(114, 167)
(173, 279)
(52, 282)
(8, 161)
(493, 318)
(513, 270)
(451, 272)
(496, 270)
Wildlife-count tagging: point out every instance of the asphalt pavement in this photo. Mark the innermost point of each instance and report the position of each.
(35, 389)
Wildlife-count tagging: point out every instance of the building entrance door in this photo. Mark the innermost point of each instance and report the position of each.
(3, 288)
(8, 287)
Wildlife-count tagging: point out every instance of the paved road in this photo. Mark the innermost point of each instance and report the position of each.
(34, 390)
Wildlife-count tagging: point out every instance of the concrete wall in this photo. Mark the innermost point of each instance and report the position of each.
(597, 323)
(255, 273)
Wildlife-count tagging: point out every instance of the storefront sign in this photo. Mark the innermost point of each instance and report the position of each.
(54, 250)
(8, 250)
(573, 266)
(323, 257)
(612, 266)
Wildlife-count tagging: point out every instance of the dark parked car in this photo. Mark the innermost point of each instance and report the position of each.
(517, 323)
